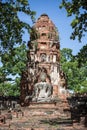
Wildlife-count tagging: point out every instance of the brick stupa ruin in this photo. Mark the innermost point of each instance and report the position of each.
(43, 80)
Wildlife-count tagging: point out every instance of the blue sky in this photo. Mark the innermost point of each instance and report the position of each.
(59, 18)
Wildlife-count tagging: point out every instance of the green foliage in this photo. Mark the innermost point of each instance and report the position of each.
(82, 56)
(12, 46)
(78, 9)
(15, 61)
(34, 34)
(66, 54)
(13, 65)
(10, 89)
(11, 27)
(76, 76)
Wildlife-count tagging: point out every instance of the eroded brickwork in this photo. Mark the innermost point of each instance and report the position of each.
(44, 53)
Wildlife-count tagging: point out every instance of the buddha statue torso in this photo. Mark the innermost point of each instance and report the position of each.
(42, 90)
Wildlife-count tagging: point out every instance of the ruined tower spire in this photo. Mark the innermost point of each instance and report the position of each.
(43, 55)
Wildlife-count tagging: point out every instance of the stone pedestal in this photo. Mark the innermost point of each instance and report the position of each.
(48, 110)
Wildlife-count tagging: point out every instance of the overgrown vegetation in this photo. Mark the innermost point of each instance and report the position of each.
(75, 68)
(12, 46)
(77, 9)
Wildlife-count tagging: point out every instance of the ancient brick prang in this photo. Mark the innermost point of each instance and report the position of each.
(43, 54)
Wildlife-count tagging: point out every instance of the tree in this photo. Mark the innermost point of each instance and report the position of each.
(11, 27)
(66, 55)
(14, 62)
(82, 56)
(12, 46)
(78, 9)
(10, 89)
(76, 76)
(13, 65)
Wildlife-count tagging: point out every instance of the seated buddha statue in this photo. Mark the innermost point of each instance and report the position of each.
(42, 90)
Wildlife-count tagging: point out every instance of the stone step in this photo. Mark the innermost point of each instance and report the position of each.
(46, 106)
(66, 109)
(59, 121)
(4, 126)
